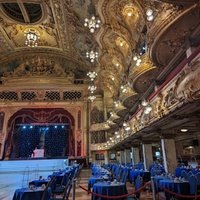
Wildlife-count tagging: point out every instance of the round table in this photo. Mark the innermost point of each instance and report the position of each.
(109, 189)
(27, 194)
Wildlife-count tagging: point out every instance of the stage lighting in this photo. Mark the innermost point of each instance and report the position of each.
(55, 126)
(24, 127)
(47, 128)
(63, 126)
(31, 126)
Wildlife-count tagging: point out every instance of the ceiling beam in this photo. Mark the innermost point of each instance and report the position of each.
(24, 11)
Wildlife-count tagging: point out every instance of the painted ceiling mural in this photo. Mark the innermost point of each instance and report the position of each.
(135, 40)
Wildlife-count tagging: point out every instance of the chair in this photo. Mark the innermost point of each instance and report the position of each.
(48, 188)
(65, 193)
(138, 184)
(124, 177)
(189, 174)
(198, 178)
(184, 174)
(193, 185)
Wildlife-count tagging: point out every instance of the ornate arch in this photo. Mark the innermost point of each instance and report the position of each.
(40, 116)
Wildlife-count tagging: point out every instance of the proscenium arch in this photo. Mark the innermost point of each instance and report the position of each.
(40, 116)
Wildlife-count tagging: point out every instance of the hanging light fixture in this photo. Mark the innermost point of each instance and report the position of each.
(137, 59)
(149, 14)
(92, 75)
(92, 55)
(92, 23)
(92, 88)
(32, 37)
(92, 98)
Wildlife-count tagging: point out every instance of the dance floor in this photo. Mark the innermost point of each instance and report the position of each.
(10, 181)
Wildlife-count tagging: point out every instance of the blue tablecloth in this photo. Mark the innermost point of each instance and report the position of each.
(27, 194)
(92, 180)
(108, 189)
(175, 186)
(134, 173)
(39, 183)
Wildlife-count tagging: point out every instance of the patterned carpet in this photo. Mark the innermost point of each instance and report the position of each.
(83, 181)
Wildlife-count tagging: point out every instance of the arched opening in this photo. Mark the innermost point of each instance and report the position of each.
(49, 128)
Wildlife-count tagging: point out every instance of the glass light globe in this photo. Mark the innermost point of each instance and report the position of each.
(150, 18)
(146, 111)
(135, 58)
(144, 103)
(149, 12)
(92, 30)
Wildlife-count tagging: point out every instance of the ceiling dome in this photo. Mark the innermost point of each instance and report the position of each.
(23, 13)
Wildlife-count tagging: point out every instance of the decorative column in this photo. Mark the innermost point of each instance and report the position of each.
(169, 154)
(135, 155)
(106, 157)
(122, 159)
(127, 156)
(147, 155)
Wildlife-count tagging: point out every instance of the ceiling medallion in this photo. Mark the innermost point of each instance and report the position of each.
(92, 55)
(129, 10)
(92, 23)
(32, 37)
(92, 75)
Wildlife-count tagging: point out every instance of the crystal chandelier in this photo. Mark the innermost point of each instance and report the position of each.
(92, 23)
(92, 55)
(137, 59)
(92, 75)
(92, 88)
(92, 98)
(32, 37)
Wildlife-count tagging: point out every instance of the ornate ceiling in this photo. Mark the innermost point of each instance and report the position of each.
(124, 32)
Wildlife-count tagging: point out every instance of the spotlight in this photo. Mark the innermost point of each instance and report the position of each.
(63, 126)
(24, 127)
(47, 128)
(55, 126)
(31, 126)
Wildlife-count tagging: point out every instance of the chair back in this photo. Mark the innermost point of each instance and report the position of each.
(68, 190)
(184, 174)
(124, 176)
(47, 191)
(138, 182)
(198, 178)
(193, 185)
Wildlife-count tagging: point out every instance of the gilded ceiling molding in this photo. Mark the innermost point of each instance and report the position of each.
(112, 56)
(37, 71)
(27, 53)
(187, 87)
(99, 127)
(58, 11)
(128, 97)
(145, 66)
(180, 2)
(143, 73)
(164, 19)
(162, 41)
(43, 10)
